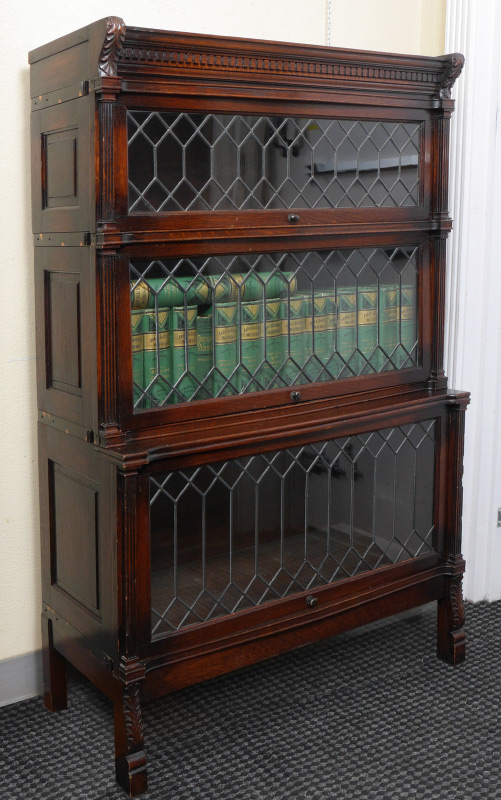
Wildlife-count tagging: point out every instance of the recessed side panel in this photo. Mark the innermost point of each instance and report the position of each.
(75, 535)
(62, 187)
(65, 319)
(64, 340)
(59, 153)
(78, 531)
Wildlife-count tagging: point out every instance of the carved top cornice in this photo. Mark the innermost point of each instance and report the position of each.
(143, 60)
(156, 53)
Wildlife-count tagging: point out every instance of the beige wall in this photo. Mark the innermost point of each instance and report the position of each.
(402, 26)
(396, 25)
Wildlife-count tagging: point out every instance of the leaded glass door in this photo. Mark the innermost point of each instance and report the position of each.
(232, 535)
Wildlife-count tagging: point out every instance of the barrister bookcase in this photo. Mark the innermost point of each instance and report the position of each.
(246, 437)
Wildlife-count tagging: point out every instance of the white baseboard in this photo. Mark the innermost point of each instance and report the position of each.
(21, 678)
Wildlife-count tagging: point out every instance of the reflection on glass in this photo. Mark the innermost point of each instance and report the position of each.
(236, 534)
(228, 325)
(180, 162)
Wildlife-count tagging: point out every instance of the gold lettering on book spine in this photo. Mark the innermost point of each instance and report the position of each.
(251, 331)
(347, 319)
(225, 334)
(179, 338)
(367, 317)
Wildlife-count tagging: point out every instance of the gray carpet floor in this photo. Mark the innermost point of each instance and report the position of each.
(370, 715)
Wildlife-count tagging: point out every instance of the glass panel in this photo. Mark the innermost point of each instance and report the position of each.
(200, 162)
(227, 325)
(235, 534)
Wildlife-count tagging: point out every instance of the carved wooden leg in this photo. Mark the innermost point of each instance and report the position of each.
(54, 671)
(130, 758)
(451, 635)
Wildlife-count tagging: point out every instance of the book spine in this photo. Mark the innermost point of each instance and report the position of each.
(226, 379)
(170, 292)
(324, 320)
(273, 345)
(389, 315)
(183, 365)
(204, 354)
(311, 364)
(334, 364)
(270, 285)
(140, 295)
(150, 364)
(164, 355)
(408, 319)
(367, 321)
(293, 318)
(251, 344)
(156, 344)
(137, 358)
(346, 297)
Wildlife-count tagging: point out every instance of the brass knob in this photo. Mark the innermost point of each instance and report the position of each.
(311, 601)
(293, 218)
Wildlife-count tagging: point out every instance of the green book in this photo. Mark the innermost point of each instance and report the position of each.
(271, 285)
(408, 320)
(156, 346)
(223, 288)
(225, 317)
(137, 358)
(311, 364)
(204, 354)
(324, 342)
(346, 297)
(389, 314)
(251, 342)
(273, 346)
(293, 318)
(367, 328)
(183, 364)
(171, 292)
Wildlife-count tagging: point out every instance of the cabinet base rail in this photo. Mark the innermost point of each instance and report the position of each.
(142, 679)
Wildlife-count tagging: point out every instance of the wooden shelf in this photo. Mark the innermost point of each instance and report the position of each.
(293, 564)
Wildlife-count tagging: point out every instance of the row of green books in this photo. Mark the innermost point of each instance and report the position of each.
(230, 347)
(376, 329)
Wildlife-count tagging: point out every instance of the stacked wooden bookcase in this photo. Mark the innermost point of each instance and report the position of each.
(247, 441)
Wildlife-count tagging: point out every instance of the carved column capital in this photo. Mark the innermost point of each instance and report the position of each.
(455, 64)
(113, 42)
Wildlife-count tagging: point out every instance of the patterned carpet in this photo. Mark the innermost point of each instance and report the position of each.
(370, 715)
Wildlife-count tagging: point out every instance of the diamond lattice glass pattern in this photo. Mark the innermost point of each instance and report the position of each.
(227, 325)
(198, 162)
(232, 535)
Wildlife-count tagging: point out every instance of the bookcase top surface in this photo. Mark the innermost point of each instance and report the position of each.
(116, 50)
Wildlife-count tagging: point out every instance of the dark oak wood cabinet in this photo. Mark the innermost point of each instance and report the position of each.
(246, 437)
